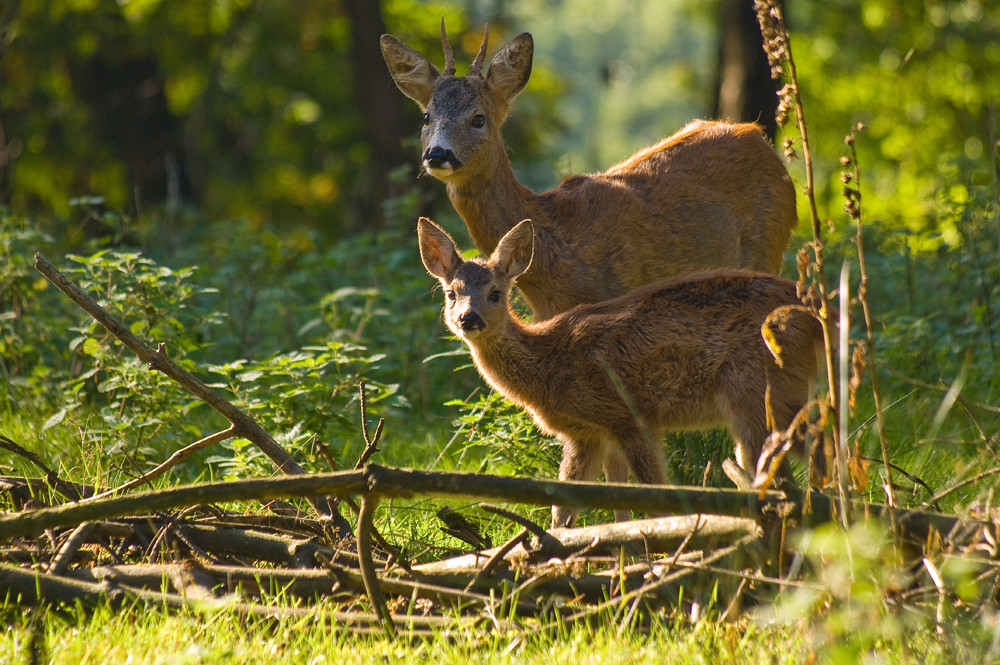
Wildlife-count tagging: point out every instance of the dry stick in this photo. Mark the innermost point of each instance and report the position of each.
(959, 485)
(854, 211)
(421, 589)
(656, 534)
(497, 557)
(69, 549)
(547, 545)
(52, 479)
(143, 503)
(172, 461)
(242, 424)
(368, 575)
(651, 586)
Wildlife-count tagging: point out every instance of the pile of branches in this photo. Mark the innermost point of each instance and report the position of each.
(180, 548)
(177, 548)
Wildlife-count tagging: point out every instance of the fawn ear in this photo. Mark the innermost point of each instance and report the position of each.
(510, 68)
(515, 250)
(413, 74)
(437, 250)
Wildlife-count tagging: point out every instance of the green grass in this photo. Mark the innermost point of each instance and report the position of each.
(147, 635)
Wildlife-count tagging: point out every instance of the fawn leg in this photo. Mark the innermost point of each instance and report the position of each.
(581, 460)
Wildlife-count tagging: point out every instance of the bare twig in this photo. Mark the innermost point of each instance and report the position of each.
(35, 588)
(170, 462)
(371, 442)
(52, 479)
(497, 557)
(70, 548)
(368, 575)
(959, 485)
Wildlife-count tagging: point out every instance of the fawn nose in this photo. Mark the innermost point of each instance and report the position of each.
(437, 157)
(471, 321)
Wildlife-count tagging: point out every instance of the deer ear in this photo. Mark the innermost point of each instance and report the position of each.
(515, 250)
(413, 74)
(511, 67)
(437, 250)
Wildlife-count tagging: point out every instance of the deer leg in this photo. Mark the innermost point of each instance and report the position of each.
(581, 460)
(616, 471)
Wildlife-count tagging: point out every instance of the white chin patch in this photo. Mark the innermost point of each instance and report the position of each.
(439, 171)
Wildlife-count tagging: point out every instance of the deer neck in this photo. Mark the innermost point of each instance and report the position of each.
(492, 203)
(510, 361)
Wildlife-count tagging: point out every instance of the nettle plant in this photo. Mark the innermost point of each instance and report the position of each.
(134, 415)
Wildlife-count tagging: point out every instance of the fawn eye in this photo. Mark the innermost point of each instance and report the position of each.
(450, 294)
(494, 296)
(478, 120)
(427, 118)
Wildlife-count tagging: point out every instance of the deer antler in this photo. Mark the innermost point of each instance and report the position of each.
(449, 55)
(477, 64)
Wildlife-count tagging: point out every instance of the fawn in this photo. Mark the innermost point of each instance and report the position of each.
(608, 378)
(713, 195)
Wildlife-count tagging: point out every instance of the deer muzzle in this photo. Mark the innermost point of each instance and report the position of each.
(471, 321)
(438, 158)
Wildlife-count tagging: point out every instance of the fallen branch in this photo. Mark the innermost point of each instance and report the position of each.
(658, 534)
(379, 481)
(34, 588)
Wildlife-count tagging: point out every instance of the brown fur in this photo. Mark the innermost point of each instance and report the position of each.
(713, 195)
(609, 378)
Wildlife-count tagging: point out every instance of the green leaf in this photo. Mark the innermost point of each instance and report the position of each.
(55, 419)
(91, 347)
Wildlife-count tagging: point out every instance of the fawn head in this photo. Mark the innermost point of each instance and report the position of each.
(462, 114)
(476, 291)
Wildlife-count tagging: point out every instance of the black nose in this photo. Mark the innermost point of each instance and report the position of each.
(471, 321)
(437, 157)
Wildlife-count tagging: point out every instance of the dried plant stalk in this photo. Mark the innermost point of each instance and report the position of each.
(778, 48)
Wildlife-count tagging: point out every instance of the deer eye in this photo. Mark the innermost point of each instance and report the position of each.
(494, 296)
(427, 118)
(450, 294)
(478, 120)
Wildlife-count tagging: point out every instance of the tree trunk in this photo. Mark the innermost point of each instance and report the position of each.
(387, 120)
(745, 92)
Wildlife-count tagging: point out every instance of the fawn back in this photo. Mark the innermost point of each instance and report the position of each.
(609, 378)
(713, 195)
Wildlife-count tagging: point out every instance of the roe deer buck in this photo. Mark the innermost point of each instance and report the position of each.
(713, 195)
(609, 378)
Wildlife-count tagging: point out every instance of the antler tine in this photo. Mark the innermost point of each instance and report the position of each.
(449, 55)
(477, 64)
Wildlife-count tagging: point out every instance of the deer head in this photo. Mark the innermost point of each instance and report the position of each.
(462, 114)
(476, 291)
